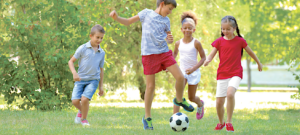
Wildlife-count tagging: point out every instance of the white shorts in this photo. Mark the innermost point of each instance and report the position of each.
(193, 78)
(222, 85)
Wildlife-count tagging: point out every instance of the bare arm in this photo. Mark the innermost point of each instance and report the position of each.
(175, 53)
(211, 56)
(252, 55)
(122, 20)
(72, 68)
(101, 82)
(199, 48)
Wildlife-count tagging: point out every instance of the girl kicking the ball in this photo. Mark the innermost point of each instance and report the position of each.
(188, 48)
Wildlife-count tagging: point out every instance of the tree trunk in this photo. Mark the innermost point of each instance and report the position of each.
(249, 73)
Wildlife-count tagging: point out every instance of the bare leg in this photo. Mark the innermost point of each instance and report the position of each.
(230, 103)
(149, 94)
(192, 95)
(175, 107)
(84, 107)
(220, 108)
(179, 86)
(76, 103)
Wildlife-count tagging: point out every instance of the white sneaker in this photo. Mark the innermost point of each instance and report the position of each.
(85, 123)
(78, 118)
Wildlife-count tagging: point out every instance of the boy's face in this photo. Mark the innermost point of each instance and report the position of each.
(97, 38)
(166, 9)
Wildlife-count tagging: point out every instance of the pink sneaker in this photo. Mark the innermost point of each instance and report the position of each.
(200, 111)
(85, 122)
(78, 118)
(229, 127)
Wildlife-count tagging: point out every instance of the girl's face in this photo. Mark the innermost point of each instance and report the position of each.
(227, 29)
(187, 29)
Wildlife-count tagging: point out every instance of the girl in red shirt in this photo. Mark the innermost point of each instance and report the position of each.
(230, 71)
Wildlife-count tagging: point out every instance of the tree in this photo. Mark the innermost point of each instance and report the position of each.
(44, 34)
(273, 30)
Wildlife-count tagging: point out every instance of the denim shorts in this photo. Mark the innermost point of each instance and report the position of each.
(84, 88)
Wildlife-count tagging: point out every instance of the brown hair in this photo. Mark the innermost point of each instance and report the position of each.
(97, 28)
(233, 23)
(173, 2)
(189, 14)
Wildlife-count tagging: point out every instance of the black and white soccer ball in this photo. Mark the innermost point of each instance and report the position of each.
(179, 122)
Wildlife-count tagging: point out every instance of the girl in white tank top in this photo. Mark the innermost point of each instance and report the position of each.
(188, 49)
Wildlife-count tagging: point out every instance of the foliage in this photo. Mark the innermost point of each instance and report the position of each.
(43, 35)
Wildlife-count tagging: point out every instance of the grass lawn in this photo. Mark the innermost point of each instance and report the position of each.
(118, 120)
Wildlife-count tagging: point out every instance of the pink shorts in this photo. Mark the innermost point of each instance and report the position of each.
(155, 63)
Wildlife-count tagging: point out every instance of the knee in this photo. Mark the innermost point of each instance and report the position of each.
(84, 100)
(230, 95)
(150, 87)
(75, 102)
(180, 78)
(219, 103)
(192, 98)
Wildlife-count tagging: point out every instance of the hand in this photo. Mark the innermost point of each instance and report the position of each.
(260, 66)
(76, 77)
(170, 38)
(113, 14)
(189, 71)
(206, 62)
(101, 92)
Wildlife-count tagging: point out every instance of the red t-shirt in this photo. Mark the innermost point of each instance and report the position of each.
(230, 57)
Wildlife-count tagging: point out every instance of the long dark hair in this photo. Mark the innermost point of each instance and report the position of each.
(233, 23)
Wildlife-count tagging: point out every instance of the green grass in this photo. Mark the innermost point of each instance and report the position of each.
(113, 120)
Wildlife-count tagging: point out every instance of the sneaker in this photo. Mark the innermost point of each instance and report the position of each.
(78, 118)
(185, 105)
(200, 111)
(229, 127)
(147, 123)
(85, 123)
(220, 126)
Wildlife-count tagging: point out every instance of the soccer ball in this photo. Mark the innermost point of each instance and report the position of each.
(179, 122)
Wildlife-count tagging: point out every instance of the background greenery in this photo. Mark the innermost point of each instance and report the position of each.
(44, 34)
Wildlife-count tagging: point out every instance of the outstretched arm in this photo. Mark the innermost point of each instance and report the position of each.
(252, 54)
(211, 56)
(124, 21)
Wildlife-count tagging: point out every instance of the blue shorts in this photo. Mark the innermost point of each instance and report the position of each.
(84, 88)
